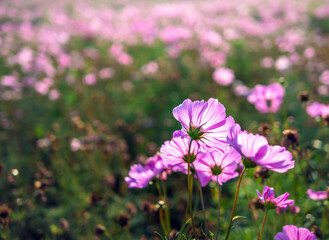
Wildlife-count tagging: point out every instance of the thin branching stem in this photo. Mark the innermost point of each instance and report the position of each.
(167, 212)
(218, 214)
(161, 215)
(235, 200)
(189, 186)
(202, 204)
(264, 220)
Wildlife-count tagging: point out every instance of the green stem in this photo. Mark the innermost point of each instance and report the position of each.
(189, 186)
(217, 231)
(167, 213)
(261, 232)
(162, 221)
(234, 204)
(159, 188)
(202, 203)
(164, 229)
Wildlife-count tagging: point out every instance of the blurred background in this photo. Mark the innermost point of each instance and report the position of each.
(87, 89)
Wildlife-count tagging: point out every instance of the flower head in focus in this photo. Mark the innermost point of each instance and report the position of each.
(175, 153)
(257, 152)
(267, 98)
(291, 232)
(204, 122)
(217, 166)
(269, 200)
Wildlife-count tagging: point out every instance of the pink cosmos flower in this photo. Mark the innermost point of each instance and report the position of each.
(43, 86)
(90, 79)
(106, 73)
(139, 176)
(175, 153)
(150, 68)
(205, 122)
(64, 60)
(309, 52)
(54, 94)
(253, 147)
(125, 59)
(256, 150)
(267, 98)
(318, 195)
(324, 78)
(325, 111)
(269, 200)
(314, 109)
(217, 166)
(173, 34)
(9, 81)
(277, 159)
(282, 63)
(267, 62)
(75, 144)
(291, 232)
(223, 76)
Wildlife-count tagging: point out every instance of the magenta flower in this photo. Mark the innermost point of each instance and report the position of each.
(175, 153)
(139, 176)
(269, 200)
(256, 150)
(314, 109)
(205, 122)
(217, 166)
(318, 195)
(267, 98)
(277, 159)
(252, 147)
(223, 76)
(291, 232)
(324, 78)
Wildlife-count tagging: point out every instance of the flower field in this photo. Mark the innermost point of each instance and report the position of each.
(164, 119)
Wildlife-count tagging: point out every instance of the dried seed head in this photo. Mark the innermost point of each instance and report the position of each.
(145, 206)
(5, 215)
(131, 208)
(64, 224)
(255, 203)
(317, 231)
(123, 219)
(303, 96)
(262, 173)
(99, 231)
(290, 138)
(264, 128)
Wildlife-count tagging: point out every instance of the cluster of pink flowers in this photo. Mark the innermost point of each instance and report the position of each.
(205, 140)
(213, 145)
(207, 27)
